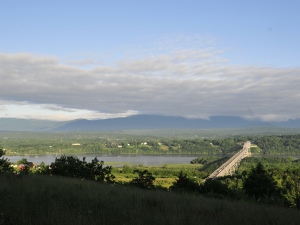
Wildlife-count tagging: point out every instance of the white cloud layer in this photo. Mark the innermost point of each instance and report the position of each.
(190, 83)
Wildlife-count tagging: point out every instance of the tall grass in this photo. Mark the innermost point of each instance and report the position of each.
(38, 199)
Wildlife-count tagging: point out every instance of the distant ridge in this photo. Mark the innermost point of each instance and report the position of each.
(140, 122)
(150, 122)
(12, 124)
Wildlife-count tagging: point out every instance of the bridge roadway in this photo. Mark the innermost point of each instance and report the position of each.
(230, 166)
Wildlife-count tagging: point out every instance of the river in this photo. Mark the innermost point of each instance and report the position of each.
(116, 160)
(120, 160)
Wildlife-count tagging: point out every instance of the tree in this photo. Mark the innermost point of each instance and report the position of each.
(259, 183)
(144, 180)
(5, 165)
(71, 166)
(291, 188)
(22, 161)
(184, 183)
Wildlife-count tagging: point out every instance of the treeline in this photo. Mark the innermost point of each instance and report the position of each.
(282, 144)
(67, 143)
(105, 144)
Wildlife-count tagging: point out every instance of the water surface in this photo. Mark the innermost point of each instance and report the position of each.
(147, 160)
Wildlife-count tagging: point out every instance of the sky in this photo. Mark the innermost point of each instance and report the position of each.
(65, 60)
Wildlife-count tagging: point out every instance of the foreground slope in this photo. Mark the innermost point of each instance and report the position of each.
(55, 200)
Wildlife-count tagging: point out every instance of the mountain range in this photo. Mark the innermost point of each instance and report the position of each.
(139, 122)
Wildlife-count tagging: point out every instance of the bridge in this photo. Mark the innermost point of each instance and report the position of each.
(230, 166)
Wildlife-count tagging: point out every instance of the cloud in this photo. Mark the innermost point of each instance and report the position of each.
(184, 82)
(54, 112)
(78, 114)
(53, 107)
(84, 62)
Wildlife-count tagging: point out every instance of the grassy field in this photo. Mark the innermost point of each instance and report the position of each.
(41, 199)
(164, 174)
(165, 182)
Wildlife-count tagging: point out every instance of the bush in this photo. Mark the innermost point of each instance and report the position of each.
(71, 166)
(145, 180)
(22, 161)
(185, 183)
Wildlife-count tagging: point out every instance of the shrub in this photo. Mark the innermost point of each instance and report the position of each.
(144, 180)
(71, 166)
(185, 183)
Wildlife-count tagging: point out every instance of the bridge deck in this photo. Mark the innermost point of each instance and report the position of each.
(229, 166)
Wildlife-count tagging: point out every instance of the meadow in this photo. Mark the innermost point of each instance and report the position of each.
(165, 175)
